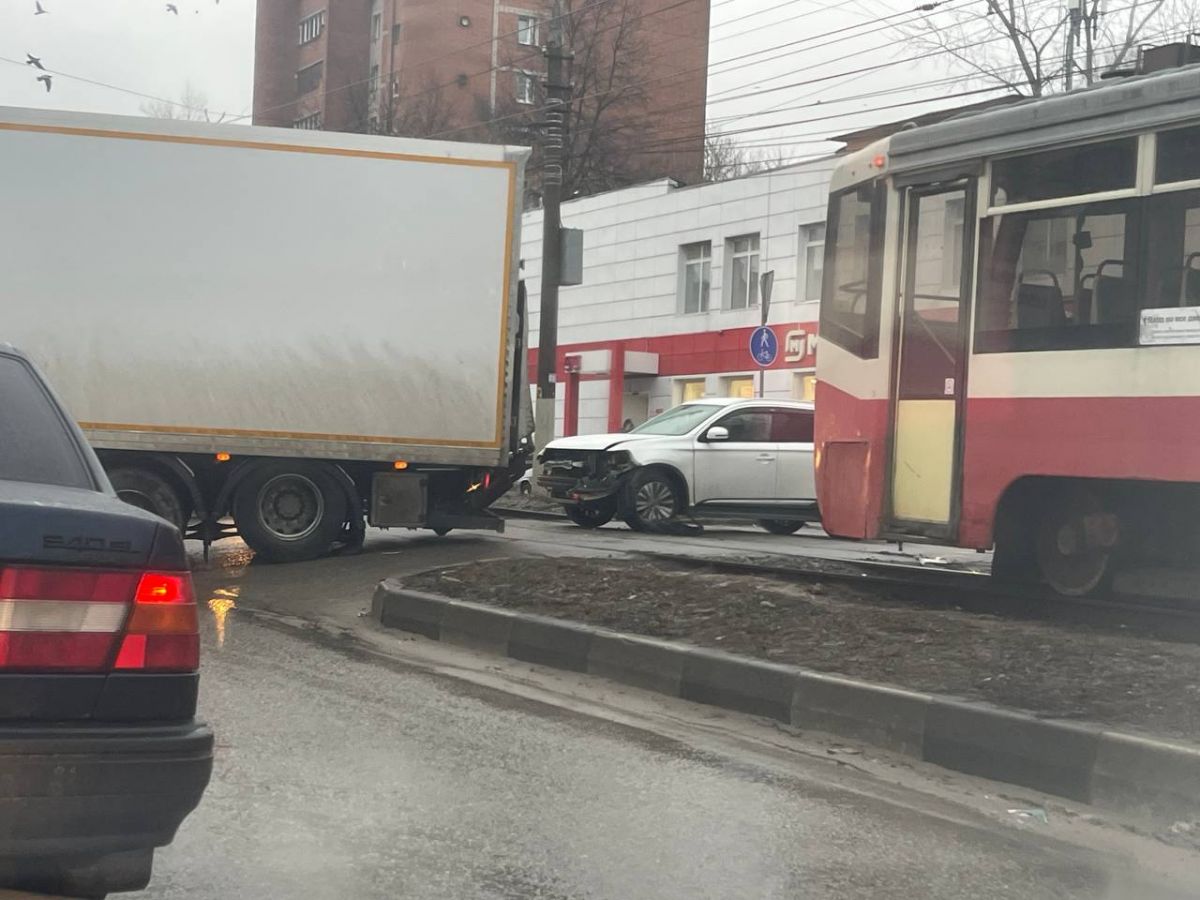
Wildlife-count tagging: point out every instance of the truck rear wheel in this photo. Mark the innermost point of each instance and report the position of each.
(148, 490)
(289, 512)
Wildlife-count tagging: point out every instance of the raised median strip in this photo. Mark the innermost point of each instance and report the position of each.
(1081, 762)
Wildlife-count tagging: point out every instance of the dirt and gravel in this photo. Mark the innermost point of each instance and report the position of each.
(1116, 674)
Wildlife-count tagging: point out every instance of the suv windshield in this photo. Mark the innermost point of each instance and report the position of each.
(35, 443)
(679, 420)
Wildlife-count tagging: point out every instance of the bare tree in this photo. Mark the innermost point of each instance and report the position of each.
(724, 158)
(383, 108)
(1022, 44)
(608, 107)
(192, 106)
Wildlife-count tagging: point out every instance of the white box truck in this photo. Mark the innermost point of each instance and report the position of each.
(280, 333)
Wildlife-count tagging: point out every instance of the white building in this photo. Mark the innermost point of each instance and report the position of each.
(670, 294)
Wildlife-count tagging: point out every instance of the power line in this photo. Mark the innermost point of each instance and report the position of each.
(58, 73)
(692, 69)
(904, 103)
(660, 144)
(798, 16)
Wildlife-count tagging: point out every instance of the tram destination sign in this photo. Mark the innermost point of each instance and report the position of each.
(1170, 325)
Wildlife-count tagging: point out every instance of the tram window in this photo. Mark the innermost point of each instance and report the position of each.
(850, 296)
(1070, 172)
(1059, 279)
(1173, 250)
(1178, 156)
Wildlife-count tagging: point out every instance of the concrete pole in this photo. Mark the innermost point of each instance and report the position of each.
(554, 137)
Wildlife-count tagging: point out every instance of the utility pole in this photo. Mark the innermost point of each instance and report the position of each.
(554, 142)
(1074, 18)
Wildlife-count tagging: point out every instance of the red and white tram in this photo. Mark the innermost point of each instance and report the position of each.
(1010, 333)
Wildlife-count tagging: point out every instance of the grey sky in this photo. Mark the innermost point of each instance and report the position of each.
(137, 45)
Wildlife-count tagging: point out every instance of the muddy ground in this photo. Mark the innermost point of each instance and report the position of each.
(1119, 675)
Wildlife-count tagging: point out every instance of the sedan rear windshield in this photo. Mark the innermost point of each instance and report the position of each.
(35, 443)
(677, 421)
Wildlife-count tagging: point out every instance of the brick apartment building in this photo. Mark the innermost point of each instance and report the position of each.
(342, 65)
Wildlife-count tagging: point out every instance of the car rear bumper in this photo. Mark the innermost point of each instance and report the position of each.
(70, 792)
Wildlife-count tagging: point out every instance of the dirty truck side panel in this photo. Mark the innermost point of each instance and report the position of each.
(262, 291)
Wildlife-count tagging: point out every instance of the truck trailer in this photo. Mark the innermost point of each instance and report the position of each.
(282, 334)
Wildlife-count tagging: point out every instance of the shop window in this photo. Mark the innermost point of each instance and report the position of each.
(804, 386)
(688, 390)
(741, 387)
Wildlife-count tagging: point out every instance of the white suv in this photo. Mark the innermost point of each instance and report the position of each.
(744, 459)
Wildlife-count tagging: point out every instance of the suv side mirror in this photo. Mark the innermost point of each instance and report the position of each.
(717, 433)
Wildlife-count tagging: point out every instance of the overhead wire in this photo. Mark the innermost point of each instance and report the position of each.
(691, 70)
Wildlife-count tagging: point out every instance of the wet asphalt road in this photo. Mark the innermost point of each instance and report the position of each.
(339, 778)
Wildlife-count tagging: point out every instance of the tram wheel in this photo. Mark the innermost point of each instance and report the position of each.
(1074, 541)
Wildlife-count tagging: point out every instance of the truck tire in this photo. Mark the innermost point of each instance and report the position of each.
(780, 526)
(289, 511)
(148, 490)
(651, 501)
(592, 515)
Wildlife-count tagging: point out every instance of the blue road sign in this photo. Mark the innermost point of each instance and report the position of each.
(764, 346)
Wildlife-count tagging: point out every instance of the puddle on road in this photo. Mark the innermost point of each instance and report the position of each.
(221, 602)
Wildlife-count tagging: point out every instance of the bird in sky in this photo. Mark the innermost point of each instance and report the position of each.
(173, 9)
(31, 60)
(38, 9)
(45, 79)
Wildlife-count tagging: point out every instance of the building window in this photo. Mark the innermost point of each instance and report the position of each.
(740, 386)
(812, 260)
(689, 390)
(311, 122)
(376, 26)
(804, 386)
(309, 78)
(695, 276)
(312, 26)
(525, 88)
(527, 31)
(373, 80)
(396, 33)
(742, 253)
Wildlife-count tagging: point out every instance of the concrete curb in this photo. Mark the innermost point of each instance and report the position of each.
(1107, 769)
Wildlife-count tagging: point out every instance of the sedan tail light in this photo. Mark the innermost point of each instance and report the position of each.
(93, 620)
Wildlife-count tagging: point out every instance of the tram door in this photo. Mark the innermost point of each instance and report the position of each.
(930, 375)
